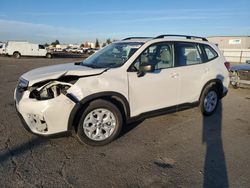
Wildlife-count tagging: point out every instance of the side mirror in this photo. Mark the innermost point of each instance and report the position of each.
(144, 68)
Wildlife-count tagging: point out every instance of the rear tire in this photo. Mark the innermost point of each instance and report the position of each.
(209, 100)
(17, 55)
(100, 123)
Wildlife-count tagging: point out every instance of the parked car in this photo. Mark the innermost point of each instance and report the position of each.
(66, 50)
(58, 50)
(91, 51)
(19, 48)
(125, 81)
(240, 75)
(80, 50)
(74, 50)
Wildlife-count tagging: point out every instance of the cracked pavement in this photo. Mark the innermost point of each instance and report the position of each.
(175, 150)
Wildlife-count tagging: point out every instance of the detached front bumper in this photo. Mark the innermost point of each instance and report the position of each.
(44, 117)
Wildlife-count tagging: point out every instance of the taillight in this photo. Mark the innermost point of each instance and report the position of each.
(227, 65)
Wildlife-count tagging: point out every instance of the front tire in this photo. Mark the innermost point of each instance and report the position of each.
(209, 100)
(100, 123)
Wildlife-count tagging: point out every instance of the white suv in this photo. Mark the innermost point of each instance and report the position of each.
(125, 81)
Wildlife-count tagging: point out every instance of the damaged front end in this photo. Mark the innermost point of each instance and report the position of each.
(46, 106)
(50, 90)
(46, 96)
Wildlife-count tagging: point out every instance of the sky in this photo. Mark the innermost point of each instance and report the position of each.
(76, 21)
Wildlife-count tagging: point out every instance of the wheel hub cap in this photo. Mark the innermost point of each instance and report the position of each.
(210, 101)
(99, 124)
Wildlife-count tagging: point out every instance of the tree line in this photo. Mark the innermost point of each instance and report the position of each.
(97, 43)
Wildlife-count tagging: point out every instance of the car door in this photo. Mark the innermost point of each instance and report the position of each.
(158, 89)
(41, 50)
(192, 71)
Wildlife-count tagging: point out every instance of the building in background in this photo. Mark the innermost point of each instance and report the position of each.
(231, 42)
(236, 49)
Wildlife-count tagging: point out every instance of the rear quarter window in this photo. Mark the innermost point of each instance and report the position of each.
(210, 52)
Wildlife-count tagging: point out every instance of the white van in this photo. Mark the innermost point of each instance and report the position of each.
(19, 48)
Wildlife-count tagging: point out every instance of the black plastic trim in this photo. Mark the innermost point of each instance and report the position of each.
(224, 94)
(205, 54)
(185, 36)
(129, 38)
(71, 97)
(80, 105)
(163, 111)
(216, 81)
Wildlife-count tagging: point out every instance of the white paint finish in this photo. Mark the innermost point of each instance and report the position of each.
(153, 90)
(55, 71)
(114, 80)
(55, 112)
(192, 80)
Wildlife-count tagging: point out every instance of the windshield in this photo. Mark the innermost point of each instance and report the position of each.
(114, 55)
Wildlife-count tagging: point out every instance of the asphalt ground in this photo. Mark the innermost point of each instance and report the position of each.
(182, 149)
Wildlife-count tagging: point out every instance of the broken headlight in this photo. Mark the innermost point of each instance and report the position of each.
(50, 90)
(22, 85)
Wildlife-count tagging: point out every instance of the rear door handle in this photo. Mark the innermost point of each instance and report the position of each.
(174, 75)
(206, 70)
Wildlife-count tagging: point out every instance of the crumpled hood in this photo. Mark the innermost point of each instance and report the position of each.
(56, 71)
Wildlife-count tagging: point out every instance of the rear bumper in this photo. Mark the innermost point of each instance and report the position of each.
(224, 93)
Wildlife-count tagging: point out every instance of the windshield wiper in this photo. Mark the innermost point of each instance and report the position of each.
(94, 66)
(107, 65)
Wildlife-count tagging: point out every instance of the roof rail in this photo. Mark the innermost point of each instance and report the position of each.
(186, 36)
(129, 38)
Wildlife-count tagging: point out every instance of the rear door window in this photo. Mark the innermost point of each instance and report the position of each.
(188, 54)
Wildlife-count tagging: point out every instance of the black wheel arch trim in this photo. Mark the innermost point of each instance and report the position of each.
(16, 52)
(108, 95)
(216, 81)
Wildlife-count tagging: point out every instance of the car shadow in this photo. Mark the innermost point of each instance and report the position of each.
(130, 127)
(21, 149)
(215, 170)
